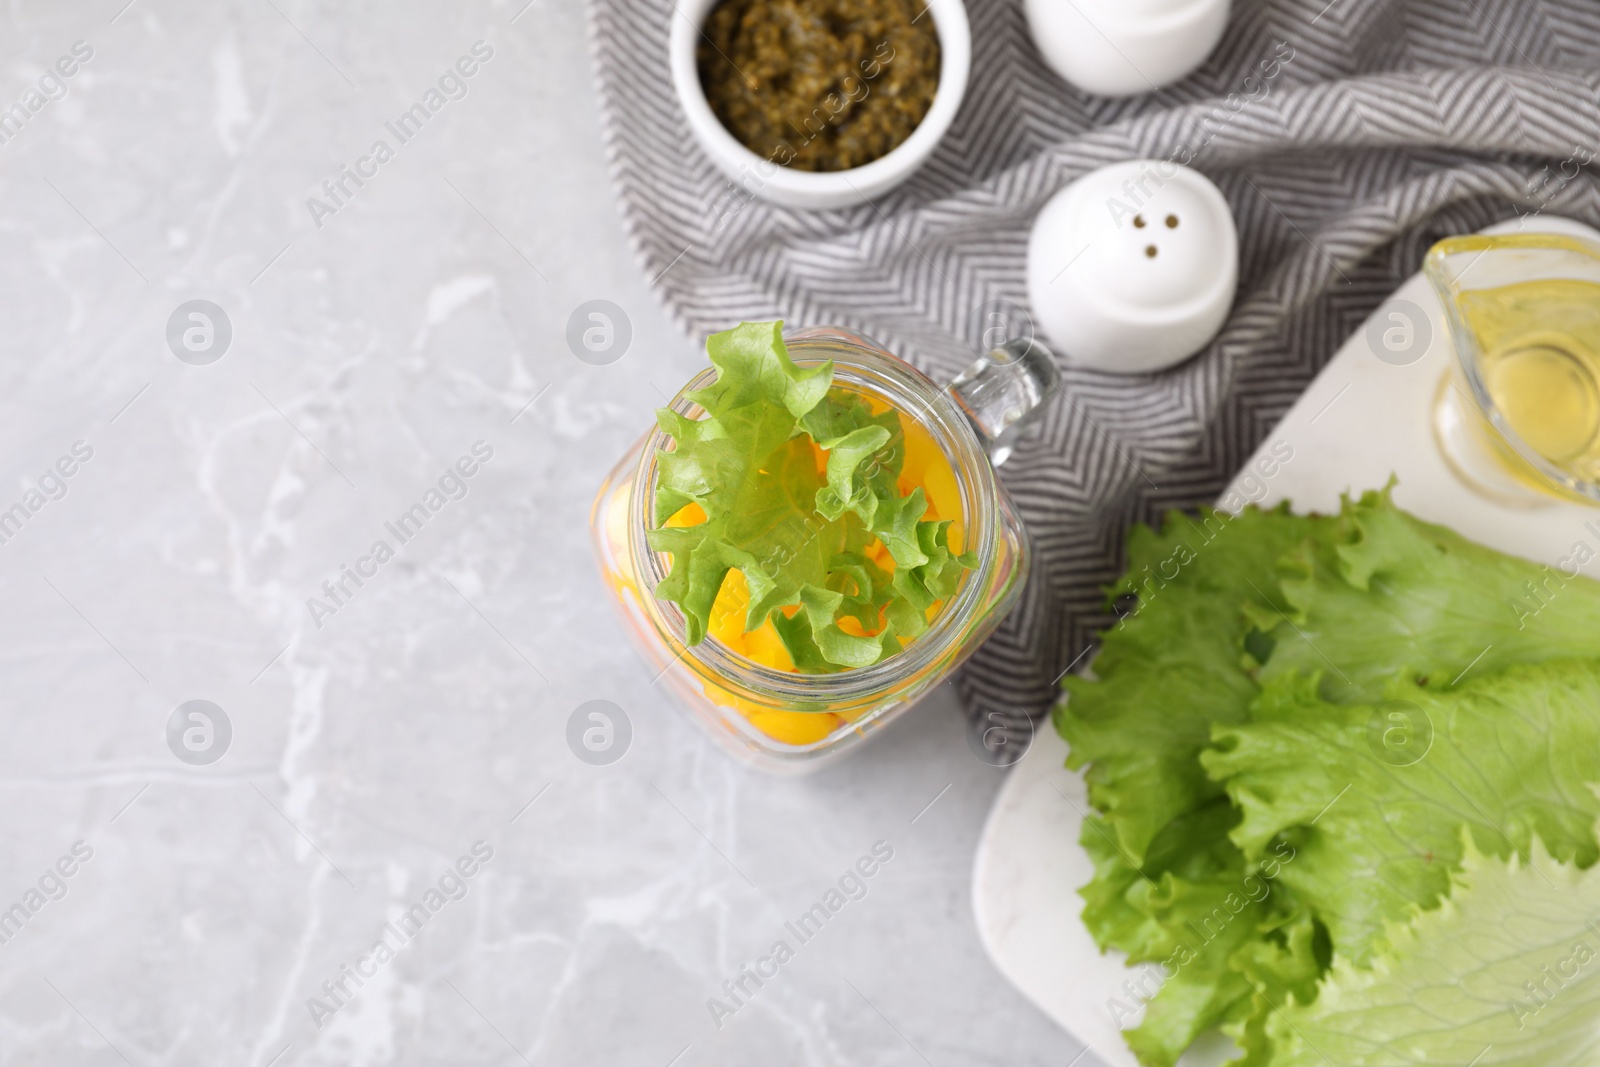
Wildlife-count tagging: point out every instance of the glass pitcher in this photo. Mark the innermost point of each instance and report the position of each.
(786, 721)
(1518, 415)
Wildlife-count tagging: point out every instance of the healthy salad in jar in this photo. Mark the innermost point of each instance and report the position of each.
(812, 538)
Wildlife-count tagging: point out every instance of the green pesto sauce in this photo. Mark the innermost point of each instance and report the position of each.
(820, 85)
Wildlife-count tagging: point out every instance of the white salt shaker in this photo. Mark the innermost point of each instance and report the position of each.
(1123, 47)
(1133, 267)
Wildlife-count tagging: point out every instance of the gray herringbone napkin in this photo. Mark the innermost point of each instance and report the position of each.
(1391, 125)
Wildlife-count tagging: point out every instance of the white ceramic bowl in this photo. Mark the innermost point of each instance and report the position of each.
(820, 189)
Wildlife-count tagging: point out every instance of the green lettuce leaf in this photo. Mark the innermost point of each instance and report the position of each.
(1390, 591)
(1236, 621)
(1281, 967)
(1504, 973)
(1166, 870)
(1374, 797)
(798, 536)
(1221, 931)
(1172, 667)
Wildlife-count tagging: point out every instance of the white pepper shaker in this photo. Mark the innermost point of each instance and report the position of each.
(1133, 267)
(1123, 47)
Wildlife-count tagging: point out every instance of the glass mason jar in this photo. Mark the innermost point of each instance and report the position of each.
(786, 721)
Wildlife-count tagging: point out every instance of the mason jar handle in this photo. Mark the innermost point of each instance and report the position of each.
(1004, 391)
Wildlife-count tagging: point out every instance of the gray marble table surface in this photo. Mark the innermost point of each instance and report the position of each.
(170, 519)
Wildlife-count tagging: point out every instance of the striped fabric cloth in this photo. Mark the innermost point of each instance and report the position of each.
(1389, 124)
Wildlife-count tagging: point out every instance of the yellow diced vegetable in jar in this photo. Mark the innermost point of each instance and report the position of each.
(796, 727)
